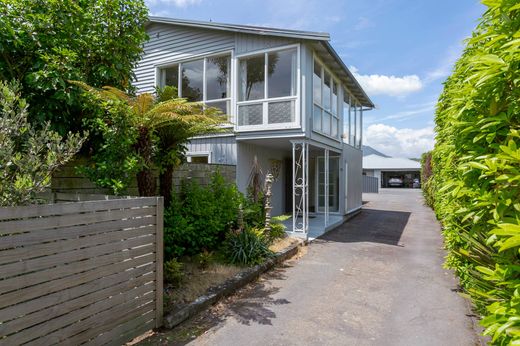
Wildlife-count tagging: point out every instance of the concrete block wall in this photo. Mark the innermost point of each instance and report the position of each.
(67, 180)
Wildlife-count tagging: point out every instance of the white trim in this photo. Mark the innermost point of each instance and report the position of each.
(191, 154)
(271, 136)
(333, 117)
(273, 99)
(159, 67)
(210, 54)
(267, 50)
(265, 101)
(214, 135)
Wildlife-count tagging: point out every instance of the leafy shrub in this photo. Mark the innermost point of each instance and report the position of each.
(426, 178)
(204, 259)
(254, 213)
(28, 156)
(173, 272)
(247, 247)
(277, 228)
(96, 41)
(475, 184)
(199, 217)
(115, 163)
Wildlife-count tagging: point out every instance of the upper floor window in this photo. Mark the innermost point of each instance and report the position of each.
(359, 127)
(352, 122)
(203, 80)
(347, 128)
(325, 97)
(267, 88)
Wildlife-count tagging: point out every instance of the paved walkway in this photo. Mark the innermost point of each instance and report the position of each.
(375, 280)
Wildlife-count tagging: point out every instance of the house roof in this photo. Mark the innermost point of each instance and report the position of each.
(368, 150)
(393, 163)
(320, 43)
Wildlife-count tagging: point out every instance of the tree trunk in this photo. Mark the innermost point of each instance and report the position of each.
(146, 183)
(166, 184)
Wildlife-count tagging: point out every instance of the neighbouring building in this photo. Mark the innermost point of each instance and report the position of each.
(293, 104)
(383, 167)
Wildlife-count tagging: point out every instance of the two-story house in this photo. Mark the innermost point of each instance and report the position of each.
(294, 106)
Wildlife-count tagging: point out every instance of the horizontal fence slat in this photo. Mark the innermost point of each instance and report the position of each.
(60, 246)
(25, 239)
(71, 305)
(72, 258)
(125, 332)
(65, 295)
(37, 224)
(128, 298)
(54, 279)
(74, 207)
(80, 272)
(106, 323)
(129, 336)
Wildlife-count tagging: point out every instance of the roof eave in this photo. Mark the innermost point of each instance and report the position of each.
(366, 102)
(246, 29)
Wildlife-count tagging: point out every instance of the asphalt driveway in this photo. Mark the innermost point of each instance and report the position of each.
(375, 280)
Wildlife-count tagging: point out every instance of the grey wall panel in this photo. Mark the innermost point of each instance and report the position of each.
(223, 149)
(249, 43)
(169, 43)
(353, 161)
(370, 184)
(246, 154)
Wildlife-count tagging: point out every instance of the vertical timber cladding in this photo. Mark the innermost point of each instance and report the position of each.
(82, 272)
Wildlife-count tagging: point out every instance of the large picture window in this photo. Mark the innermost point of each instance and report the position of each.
(203, 80)
(267, 88)
(325, 97)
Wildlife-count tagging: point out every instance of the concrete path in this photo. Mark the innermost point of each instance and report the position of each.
(375, 280)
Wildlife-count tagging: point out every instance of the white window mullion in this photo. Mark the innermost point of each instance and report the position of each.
(264, 104)
(204, 80)
(179, 80)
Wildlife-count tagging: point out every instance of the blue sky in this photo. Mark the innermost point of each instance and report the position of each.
(400, 51)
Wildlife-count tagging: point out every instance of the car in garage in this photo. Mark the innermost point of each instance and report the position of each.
(395, 182)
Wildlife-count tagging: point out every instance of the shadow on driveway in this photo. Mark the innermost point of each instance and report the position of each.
(371, 225)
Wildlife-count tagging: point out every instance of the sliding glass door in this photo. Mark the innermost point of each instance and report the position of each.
(333, 182)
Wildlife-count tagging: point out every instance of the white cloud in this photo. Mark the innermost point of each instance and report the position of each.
(404, 142)
(177, 3)
(376, 84)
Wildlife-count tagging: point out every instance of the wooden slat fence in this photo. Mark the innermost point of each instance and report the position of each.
(81, 272)
(370, 184)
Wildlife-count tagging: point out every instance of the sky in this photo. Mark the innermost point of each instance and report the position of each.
(400, 51)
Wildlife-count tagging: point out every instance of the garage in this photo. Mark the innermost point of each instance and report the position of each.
(407, 178)
(392, 171)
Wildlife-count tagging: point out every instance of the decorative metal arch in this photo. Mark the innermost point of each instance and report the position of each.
(300, 152)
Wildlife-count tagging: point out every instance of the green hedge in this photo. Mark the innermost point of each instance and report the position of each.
(476, 169)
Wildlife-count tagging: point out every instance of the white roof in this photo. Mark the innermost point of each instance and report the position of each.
(394, 163)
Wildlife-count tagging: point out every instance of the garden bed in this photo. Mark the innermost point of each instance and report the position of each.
(202, 287)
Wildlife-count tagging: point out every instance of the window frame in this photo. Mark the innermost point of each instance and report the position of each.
(266, 100)
(355, 113)
(191, 154)
(339, 86)
(159, 79)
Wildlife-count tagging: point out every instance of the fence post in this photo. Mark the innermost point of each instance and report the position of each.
(159, 263)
